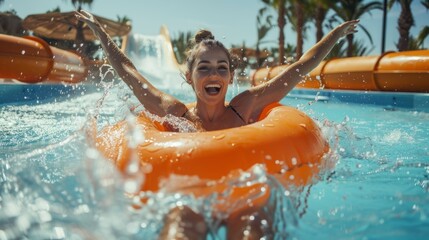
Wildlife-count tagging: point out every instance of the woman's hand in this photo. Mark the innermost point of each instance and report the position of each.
(89, 19)
(347, 28)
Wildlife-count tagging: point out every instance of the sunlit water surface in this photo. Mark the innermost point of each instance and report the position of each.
(54, 186)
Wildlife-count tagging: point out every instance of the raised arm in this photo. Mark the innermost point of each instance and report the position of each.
(152, 99)
(251, 102)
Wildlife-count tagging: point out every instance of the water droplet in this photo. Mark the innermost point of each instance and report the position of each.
(44, 216)
(294, 161)
(59, 232)
(23, 52)
(23, 222)
(133, 167)
(219, 137)
(146, 168)
(130, 186)
(92, 153)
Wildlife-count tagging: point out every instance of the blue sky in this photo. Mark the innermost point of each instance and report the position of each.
(232, 21)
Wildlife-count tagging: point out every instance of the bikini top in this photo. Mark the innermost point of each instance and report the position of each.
(229, 106)
(235, 111)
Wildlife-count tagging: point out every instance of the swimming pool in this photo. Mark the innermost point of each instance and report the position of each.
(53, 186)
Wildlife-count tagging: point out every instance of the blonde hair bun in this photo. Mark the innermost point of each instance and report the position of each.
(203, 35)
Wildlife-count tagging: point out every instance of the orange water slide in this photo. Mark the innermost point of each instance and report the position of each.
(406, 71)
(32, 60)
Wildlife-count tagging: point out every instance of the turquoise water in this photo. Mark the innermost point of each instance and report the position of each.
(53, 186)
(380, 186)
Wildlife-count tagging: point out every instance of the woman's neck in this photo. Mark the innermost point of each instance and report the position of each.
(209, 113)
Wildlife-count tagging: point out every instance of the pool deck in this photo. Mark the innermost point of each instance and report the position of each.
(388, 100)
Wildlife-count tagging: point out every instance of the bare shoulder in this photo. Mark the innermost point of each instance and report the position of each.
(247, 104)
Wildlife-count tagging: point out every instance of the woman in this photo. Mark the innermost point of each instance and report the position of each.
(209, 71)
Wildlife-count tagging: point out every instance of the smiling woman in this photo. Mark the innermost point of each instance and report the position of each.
(207, 65)
(210, 68)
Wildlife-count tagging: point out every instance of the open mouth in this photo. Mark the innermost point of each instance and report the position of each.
(212, 89)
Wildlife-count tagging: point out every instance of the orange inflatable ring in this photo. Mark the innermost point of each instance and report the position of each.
(285, 140)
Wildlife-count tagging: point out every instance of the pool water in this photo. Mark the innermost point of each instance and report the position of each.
(54, 186)
(379, 189)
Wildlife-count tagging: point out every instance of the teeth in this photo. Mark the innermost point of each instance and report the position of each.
(213, 85)
(213, 88)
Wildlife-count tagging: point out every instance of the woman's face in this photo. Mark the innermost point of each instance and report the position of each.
(210, 74)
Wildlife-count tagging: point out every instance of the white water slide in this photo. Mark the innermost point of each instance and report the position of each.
(153, 56)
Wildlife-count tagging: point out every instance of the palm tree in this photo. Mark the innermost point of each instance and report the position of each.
(348, 10)
(242, 58)
(80, 39)
(280, 7)
(383, 27)
(405, 22)
(425, 31)
(11, 11)
(289, 51)
(339, 50)
(124, 19)
(180, 45)
(321, 8)
(263, 26)
(57, 9)
(79, 3)
(300, 14)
